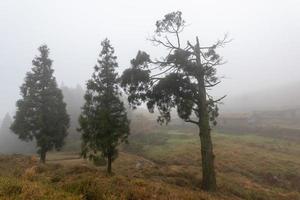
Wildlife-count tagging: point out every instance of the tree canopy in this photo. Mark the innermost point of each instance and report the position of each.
(103, 122)
(180, 80)
(41, 112)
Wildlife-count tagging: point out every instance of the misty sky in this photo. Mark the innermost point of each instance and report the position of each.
(265, 51)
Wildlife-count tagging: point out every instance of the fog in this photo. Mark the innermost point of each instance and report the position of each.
(197, 134)
(263, 54)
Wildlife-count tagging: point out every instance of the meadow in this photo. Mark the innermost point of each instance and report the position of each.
(164, 164)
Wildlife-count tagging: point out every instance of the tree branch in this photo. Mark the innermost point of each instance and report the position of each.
(219, 43)
(170, 43)
(158, 42)
(191, 121)
(218, 100)
(162, 72)
(212, 84)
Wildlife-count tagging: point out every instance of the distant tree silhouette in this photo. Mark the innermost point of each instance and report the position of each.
(41, 113)
(179, 80)
(6, 122)
(74, 99)
(103, 122)
(9, 142)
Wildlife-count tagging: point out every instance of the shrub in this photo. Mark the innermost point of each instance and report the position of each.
(87, 188)
(99, 161)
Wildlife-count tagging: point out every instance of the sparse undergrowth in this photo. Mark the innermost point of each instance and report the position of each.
(248, 167)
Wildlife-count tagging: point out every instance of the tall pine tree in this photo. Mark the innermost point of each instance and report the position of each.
(103, 122)
(41, 112)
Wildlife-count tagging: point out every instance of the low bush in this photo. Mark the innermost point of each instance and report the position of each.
(87, 188)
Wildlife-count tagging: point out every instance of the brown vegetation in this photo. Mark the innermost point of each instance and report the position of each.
(165, 166)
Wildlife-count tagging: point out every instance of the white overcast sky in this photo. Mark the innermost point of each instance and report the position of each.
(265, 51)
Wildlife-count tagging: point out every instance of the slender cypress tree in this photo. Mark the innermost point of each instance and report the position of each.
(41, 112)
(103, 122)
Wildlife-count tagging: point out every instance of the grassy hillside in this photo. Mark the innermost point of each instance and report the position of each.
(161, 166)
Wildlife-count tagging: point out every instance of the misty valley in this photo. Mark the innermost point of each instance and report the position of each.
(155, 125)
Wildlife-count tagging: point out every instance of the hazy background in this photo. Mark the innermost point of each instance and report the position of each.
(264, 54)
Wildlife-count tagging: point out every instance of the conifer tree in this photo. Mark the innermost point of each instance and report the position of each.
(41, 112)
(103, 121)
(180, 80)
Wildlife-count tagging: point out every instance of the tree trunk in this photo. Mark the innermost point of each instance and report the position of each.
(43, 156)
(207, 155)
(109, 164)
(208, 170)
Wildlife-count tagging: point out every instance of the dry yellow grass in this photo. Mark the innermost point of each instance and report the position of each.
(252, 168)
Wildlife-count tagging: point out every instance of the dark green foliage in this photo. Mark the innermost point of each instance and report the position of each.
(175, 82)
(103, 122)
(170, 21)
(41, 112)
